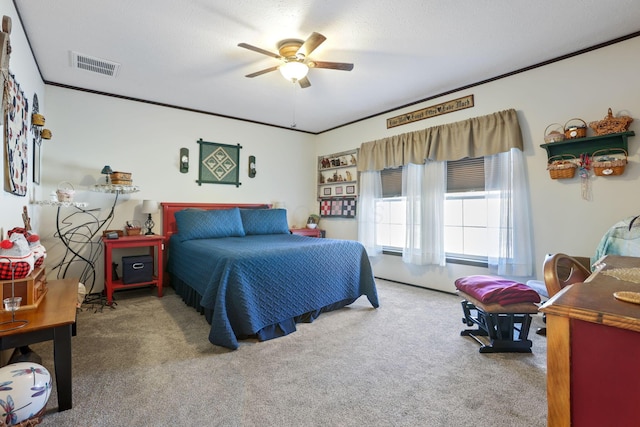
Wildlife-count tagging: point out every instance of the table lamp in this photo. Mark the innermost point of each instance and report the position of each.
(149, 207)
(106, 170)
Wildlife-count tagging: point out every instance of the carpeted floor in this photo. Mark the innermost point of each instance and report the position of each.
(148, 363)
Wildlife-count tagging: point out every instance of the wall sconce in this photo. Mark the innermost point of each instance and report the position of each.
(107, 171)
(184, 160)
(252, 166)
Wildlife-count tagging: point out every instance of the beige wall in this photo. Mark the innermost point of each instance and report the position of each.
(584, 86)
(92, 130)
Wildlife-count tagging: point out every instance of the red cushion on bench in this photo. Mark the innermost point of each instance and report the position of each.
(492, 289)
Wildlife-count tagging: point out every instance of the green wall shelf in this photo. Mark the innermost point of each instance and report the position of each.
(588, 145)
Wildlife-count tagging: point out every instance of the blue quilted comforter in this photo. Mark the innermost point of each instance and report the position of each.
(260, 285)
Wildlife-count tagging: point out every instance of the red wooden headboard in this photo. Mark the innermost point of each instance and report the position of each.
(169, 221)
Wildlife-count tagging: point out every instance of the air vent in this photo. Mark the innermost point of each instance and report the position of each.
(95, 65)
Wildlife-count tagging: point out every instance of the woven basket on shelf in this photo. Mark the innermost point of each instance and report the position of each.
(608, 162)
(575, 131)
(65, 192)
(611, 124)
(553, 135)
(560, 167)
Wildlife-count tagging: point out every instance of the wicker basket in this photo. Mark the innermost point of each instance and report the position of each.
(560, 167)
(29, 422)
(608, 162)
(575, 131)
(553, 135)
(65, 192)
(611, 124)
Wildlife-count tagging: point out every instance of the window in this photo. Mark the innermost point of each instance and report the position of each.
(465, 233)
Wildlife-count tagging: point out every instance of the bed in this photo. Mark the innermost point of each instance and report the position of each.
(239, 265)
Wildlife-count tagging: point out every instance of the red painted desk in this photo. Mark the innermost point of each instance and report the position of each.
(153, 241)
(593, 346)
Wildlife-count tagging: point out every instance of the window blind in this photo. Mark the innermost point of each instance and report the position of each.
(465, 175)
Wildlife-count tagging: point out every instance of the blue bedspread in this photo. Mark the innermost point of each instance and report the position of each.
(255, 283)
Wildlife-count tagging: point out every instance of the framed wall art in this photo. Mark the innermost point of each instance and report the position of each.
(350, 189)
(219, 163)
(326, 191)
(343, 207)
(338, 190)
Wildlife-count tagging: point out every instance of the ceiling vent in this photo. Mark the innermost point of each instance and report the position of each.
(95, 65)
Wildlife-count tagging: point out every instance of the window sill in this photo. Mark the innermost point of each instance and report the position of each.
(451, 259)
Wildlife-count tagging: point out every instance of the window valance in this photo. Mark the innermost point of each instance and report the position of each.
(476, 137)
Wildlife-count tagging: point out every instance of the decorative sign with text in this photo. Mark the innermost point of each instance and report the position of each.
(434, 110)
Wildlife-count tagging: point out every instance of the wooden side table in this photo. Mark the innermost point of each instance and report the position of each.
(153, 241)
(54, 320)
(311, 232)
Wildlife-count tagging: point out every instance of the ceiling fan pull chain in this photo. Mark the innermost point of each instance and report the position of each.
(293, 121)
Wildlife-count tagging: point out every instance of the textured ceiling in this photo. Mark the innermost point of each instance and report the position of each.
(184, 53)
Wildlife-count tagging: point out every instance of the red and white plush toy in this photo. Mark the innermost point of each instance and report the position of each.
(39, 251)
(16, 258)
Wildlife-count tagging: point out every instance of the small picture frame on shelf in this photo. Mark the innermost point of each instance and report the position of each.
(326, 191)
(350, 189)
(339, 190)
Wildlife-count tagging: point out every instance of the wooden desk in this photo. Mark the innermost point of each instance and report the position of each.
(593, 347)
(52, 320)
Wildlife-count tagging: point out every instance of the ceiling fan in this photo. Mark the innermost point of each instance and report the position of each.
(294, 54)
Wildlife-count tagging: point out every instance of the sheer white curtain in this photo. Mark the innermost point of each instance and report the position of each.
(509, 233)
(370, 192)
(423, 187)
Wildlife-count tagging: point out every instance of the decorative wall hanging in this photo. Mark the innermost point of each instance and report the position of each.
(37, 140)
(434, 110)
(15, 139)
(344, 207)
(219, 163)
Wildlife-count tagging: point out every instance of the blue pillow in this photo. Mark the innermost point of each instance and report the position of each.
(264, 221)
(208, 224)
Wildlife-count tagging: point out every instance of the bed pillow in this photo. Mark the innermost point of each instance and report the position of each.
(264, 221)
(208, 224)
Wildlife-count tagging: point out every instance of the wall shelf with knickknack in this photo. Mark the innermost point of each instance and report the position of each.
(588, 145)
(338, 175)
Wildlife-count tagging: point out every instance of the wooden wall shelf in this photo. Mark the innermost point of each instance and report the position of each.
(588, 145)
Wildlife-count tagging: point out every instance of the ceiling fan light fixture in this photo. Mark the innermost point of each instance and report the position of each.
(294, 70)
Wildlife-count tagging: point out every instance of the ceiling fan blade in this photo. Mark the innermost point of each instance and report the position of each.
(266, 70)
(304, 82)
(314, 40)
(331, 65)
(259, 50)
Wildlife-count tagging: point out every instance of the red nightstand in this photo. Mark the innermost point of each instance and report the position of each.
(152, 241)
(311, 232)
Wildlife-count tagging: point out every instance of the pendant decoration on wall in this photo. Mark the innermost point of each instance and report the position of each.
(584, 173)
(344, 207)
(219, 163)
(16, 128)
(37, 140)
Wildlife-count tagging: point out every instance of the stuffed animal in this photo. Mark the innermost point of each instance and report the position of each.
(16, 258)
